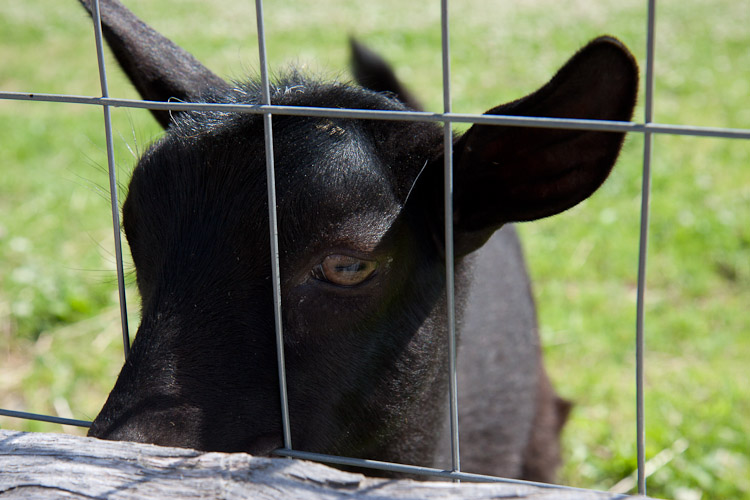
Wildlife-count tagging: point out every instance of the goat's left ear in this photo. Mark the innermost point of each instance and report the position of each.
(159, 69)
(511, 174)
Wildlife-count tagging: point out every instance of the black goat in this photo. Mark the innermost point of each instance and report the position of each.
(362, 263)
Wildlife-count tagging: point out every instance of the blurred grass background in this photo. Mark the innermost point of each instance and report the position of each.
(59, 326)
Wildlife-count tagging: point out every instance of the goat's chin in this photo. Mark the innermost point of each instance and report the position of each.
(257, 446)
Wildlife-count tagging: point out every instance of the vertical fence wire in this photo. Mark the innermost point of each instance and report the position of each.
(643, 250)
(449, 248)
(114, 204)
(273, 224)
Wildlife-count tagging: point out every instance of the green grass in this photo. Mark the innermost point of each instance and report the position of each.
(59, 340)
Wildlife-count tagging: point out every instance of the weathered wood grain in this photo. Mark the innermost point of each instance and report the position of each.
(42, 466)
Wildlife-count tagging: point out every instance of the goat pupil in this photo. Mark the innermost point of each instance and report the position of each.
(345, 270)
(351, 268)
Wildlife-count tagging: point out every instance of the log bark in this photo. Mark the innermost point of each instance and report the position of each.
(41, 466)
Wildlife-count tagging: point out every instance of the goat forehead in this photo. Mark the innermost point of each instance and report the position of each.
(332, 163)
(334, 189)
(331, 181)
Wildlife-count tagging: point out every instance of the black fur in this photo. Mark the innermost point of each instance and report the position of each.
(366, 363)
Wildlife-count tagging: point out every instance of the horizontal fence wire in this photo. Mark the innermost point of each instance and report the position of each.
(44, 418)
(417, 470)
(414, 116)
(334, 459)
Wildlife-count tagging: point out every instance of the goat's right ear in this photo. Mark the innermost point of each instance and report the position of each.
(158, 68)
(374, 73)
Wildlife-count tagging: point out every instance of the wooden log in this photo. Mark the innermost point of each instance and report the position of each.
(42, 466)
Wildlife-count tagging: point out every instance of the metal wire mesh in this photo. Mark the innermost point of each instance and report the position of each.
(647, 128)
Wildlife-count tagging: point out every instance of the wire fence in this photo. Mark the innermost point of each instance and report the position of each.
(646, 127)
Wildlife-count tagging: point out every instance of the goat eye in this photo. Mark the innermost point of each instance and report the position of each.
(344, 270)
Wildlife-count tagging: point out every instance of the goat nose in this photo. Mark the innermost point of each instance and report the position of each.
(264, 445)
(164, 427)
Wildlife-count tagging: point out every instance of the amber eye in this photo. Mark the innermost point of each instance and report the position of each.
(344, 270)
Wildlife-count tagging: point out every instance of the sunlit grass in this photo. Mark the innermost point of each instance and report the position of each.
(59, 339)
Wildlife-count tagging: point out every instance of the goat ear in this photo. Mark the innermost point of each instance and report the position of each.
(374, 73)
(510, 174)
(158, 68)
